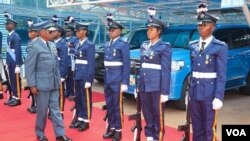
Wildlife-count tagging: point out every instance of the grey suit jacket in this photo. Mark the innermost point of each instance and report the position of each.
(41, 66)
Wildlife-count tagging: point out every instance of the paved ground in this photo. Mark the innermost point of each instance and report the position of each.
(236, 109)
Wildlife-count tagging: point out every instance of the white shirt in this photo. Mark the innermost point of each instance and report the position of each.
(81, 42)
(207, 41)
(57, 40)
(11, 32)
(113, 40)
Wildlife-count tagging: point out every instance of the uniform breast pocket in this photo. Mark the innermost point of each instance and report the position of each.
(44, 56)
(116, 52)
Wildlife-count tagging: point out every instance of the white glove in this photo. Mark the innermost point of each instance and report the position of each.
(217, 104)
(124, 87)
(164, 98)
(135, 93)
(17, 70)
(62, 79)
(87, 85)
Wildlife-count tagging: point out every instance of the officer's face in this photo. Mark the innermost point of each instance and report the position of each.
(46, 34)
(32, 34)
(114, 33)
(69, 33)
(206, 29)
(55, 34)
(9, 26)
(81, 33)
(153, 33)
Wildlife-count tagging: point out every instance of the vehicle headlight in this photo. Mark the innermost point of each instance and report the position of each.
(96, 55)
(177, 65)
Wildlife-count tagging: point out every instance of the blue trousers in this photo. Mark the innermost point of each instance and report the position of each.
(203, 118)
(13, 81)
(48, 100)
(153, 112)
(113, 98)
(83, 101)
(70, 83)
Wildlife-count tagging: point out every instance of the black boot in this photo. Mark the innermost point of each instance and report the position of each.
(117, 136)
(84, 126)
(32, 109)
(75, 124)
(16, 102)
(109, 134)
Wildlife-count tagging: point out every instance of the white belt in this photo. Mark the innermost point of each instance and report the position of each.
(151, 66)
(108, 63)
(204, 74)
(78, 61)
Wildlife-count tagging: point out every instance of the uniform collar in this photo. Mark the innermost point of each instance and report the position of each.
(56, 41)
(11, 32)
(68, 37)
(152, 44)
(34, 39)
(114, 40)
(43, 40)
(81, 42)
(208, 41)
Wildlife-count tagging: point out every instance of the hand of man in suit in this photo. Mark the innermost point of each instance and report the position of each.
(34, 90)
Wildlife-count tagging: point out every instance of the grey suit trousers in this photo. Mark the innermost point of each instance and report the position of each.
(48, 100)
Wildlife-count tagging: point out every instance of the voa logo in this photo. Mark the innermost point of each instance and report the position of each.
(236, 132)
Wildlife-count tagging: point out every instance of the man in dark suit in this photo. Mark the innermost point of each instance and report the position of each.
(13, 60)
(43, 78)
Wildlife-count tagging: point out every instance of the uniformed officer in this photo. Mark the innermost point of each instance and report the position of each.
(116, 78)
(71, 41)
(209, 66)
(84, 75)
(13, 60)
(43, 78)
(62, 51)
(33, 34)
(154, 78)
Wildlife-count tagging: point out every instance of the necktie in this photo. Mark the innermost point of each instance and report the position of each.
(111, 42)
(47, 43)
(202, 46)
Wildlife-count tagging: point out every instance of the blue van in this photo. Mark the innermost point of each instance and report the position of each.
(238, 75)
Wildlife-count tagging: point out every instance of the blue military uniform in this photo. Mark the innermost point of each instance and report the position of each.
(117, 70)
(84, 73)
(13, 60)
(208, 76)
(154, 82)
(71, 42)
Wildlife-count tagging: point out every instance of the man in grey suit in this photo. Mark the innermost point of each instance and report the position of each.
(43, 78)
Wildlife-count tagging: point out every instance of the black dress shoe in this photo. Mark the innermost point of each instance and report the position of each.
(32, 109)
(84, 126)
(16, 102)
(62, 115)
(42, 138)
(117, 136)
(9, 101)
(63, 138)
(49, 116)
(109, 134)
(75, 124)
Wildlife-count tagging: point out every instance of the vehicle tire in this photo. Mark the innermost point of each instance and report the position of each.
(246, 89)
(99, 80)
(181, 104)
